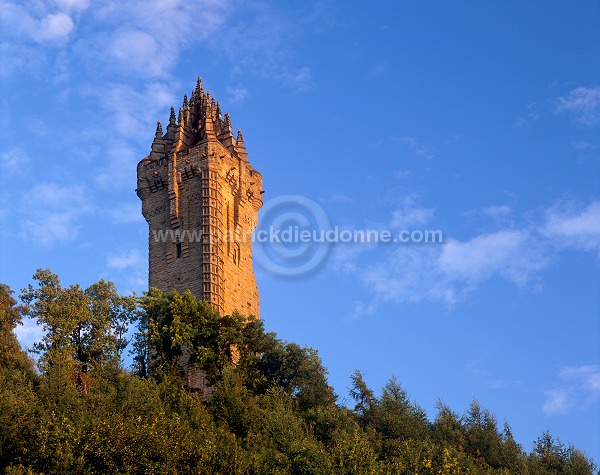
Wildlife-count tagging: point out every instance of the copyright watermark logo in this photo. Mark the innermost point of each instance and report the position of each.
(284, 242)
(295, 236)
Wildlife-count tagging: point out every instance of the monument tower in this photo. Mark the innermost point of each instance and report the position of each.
(201, 197)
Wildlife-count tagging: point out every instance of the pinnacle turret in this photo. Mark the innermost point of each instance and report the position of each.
(200, 117)
(239, 147)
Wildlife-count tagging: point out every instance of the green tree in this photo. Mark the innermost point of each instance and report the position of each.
(399, 418)
(84, 330)
(484, 441)
(551, 456)
(364, 398)
(447, 429)
(18, 405)
(11, 354)
(105, 335)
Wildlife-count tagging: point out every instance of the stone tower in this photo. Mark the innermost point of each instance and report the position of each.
(201, 197)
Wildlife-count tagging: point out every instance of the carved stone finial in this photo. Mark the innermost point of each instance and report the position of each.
(159, 131)
(172, 116)
(185, 101)
(240, 137)
(227, 120)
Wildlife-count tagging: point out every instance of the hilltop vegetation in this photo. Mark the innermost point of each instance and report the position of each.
(76, 409)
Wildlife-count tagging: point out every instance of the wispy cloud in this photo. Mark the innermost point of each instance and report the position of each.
(126, 213)
(34, 24)
(29, 333)
(73, 5)
(582, 103)
(531, 115)
(417, 147)
(399, 174)
(14, 160)
(337, 197)
(451, 271)
(53, 212)
(129, 268)
(126, 260)
(410, 215)
(511, 254)
(572, 227)
(237, 94)
(299, 80)
(149, 36)
(578, 389)
(490, 381)
(497, 211)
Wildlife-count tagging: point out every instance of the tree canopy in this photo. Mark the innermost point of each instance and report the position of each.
(269, 408)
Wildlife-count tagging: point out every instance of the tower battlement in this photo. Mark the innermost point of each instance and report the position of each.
(201, 197)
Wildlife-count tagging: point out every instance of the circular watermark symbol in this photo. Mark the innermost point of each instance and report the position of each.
(284, 241)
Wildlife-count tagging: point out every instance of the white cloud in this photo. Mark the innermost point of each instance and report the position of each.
(145, 38)
(583, 103)
(583, 146)
(53, 212)
(139, 51)
(73, 5)
(126, 260)
(300, 80)
(337, 197)
(488, 379)
(117, 171)
(16, 21)
(54, 27)
(508, 253)
(407, 274)
(13, 159)
(498, 211)
(399, 174)
(578, 390)
(4, 208)
(557, 401)
(15, 56)
(416, 147)
(122, 103)
(131, 268)
(531, 116)
(573, 228)
(451, 271)
(29, 333)
(237, 94)
(126, 213)
(19, 22)
(408, 215)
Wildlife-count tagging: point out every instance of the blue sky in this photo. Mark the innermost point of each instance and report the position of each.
(481, 119)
